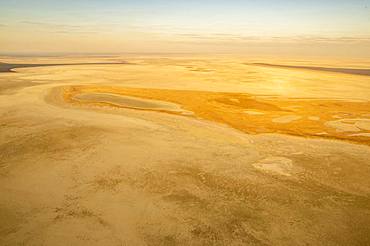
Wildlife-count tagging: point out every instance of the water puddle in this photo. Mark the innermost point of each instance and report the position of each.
(130, 102)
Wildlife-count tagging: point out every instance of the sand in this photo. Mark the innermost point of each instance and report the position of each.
(139, 172)
(286, 119)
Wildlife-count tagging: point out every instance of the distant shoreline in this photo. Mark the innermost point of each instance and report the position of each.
(354, 71)
(8, 68)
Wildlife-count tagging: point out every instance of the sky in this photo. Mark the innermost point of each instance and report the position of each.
(321, 27)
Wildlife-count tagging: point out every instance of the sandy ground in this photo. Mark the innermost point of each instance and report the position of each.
(96, 174)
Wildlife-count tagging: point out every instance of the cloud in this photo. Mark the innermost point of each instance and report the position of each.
(334, 39)
(188, 35)
(48, 25)
(62, 28)
(234, 38)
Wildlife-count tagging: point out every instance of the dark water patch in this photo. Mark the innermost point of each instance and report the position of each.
(355, 71)
(7, 67)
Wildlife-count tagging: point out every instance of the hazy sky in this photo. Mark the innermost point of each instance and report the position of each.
(220, 26)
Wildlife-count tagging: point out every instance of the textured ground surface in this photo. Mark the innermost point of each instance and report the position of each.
(234, 155)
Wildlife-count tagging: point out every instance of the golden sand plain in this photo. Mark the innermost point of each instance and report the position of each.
(183, 151)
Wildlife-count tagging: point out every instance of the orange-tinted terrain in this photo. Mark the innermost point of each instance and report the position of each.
(305, 117)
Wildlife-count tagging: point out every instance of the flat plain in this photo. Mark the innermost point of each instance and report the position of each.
(184, 150)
